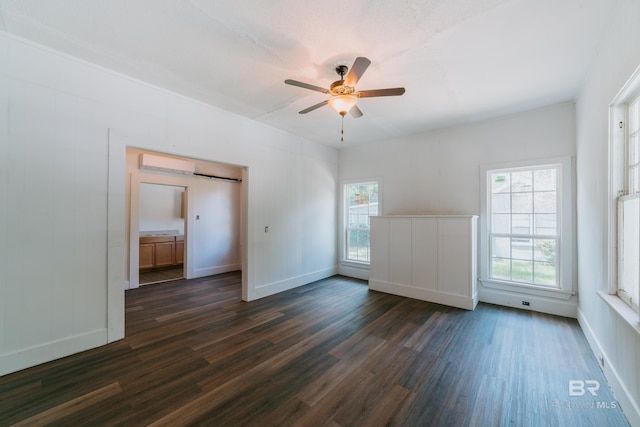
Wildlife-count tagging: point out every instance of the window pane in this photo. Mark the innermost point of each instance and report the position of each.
(629, 247)
(522, 271)
(501, 268)
(521, 181)
(634, 157)
(522, 249)
(500, 182)
(522, 203)
(544, 180)
(500, 223)
(545, 250)
(361, 203)
(634, 180)
(634, 116)
(501, 203)
(521, 224)
(544, 273)
(545, 224)
(501, 247)
(544, 202)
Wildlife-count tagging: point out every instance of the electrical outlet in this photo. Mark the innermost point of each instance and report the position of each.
(526, 303)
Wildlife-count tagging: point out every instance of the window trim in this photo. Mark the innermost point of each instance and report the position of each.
(618, 183)
(342, 241)
(566, 219)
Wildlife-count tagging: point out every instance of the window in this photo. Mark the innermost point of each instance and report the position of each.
(526, 227)
(361, 201)
(629, 209)
(523, 234)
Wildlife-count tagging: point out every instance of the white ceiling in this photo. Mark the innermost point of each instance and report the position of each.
(459, 60)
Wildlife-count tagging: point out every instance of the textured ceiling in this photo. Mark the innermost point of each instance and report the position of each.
(459, 60)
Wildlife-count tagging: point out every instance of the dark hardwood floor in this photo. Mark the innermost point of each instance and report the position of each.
(331, 353)
(158, 276)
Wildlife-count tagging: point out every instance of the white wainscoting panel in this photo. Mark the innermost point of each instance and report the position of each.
(427, 257)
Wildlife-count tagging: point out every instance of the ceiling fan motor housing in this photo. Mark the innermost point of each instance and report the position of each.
(339, 88)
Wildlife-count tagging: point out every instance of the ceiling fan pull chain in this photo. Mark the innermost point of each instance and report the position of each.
(342, 129)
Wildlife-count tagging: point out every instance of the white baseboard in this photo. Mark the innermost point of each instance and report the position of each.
(211, 271)
(294, 282)
(629, 407)
(453, 300)
(355, 272)
(28, 357)
(565, 308)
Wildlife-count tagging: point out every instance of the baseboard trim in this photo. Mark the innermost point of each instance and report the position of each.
(28, 357)
(211, 271)
(629, 407)
(453, 300)
(355, 272)
(294, 282)
(536, 303)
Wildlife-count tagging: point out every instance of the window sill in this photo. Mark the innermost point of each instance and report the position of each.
(528, 289)
(627, 313)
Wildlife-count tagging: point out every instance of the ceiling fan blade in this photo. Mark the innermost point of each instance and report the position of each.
(306, 85)
(380, 92)
(358, 68)
(313, 107)
(355, 112)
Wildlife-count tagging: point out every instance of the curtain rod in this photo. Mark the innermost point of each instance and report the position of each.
(224, 178)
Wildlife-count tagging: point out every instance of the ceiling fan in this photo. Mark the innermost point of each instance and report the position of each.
(344, 96)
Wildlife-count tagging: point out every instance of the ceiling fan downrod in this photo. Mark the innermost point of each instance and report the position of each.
(342, 71)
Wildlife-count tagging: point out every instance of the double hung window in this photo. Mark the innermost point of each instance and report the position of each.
(361, 202)
(524, 235)
(527, 227)
(629, 210)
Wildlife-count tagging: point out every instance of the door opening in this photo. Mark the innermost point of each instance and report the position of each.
(161, 230)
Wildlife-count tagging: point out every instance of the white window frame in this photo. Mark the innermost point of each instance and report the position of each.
(565, 217)
(621, 189)
(345, 218)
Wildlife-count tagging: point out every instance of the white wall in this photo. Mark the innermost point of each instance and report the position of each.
(439, 172)
(609, 335)
(64, 128)
(161, 208)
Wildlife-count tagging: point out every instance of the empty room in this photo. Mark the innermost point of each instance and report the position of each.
(351, 213)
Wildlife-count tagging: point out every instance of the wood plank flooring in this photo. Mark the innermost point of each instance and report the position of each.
(331, 353)
(158, 276)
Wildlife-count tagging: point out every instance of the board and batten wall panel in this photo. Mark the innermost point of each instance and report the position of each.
(400, 250)
(425, 268)
(432, 258)
(457, 247)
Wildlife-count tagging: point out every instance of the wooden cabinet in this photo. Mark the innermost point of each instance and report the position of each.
(426, 257)
(179, 249)
(161, 251)
(147, 254)
(165, 254)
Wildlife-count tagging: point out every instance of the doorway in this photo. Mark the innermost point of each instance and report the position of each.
(212, 206)
(161, 230)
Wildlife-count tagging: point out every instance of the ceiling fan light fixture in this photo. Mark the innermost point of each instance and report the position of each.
(343, 103)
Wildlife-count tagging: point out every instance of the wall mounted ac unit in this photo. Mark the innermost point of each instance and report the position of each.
(166, 164)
